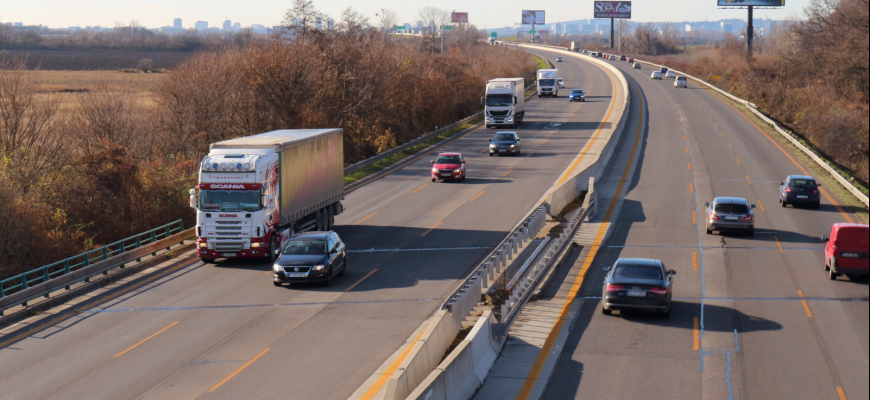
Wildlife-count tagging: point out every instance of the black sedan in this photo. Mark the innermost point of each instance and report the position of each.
(504, 143)
(800, 189)
(311, 257)
(638, 284)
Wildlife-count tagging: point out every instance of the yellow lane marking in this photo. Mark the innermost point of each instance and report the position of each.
(690, 166)
(777, 243)
(481, 152)
(694, 220)
(373, 390)
(684, 137)
(694, 261)
(806, 306)
(747, 179)
(361, 279)
(371, 215)
(594, 137)
(417, 189)
(506, 173)
(723, 134)
(793, 161)
(478, 195)
(251, 361)
(145, 340)
(529, 155)
(538, 365)
(681, 128)
(840, 393)
(729, 145)
(430, 229)
(687, 150)
(691, 187)
(696, 334)
(76, 311)
(761, 206)
(545, 141)
(738, 160)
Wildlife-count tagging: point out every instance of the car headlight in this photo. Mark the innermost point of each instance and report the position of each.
(276, 267)
(513, 146)
(457, 170)
(318, 268)
(434, 169)
(492, 146)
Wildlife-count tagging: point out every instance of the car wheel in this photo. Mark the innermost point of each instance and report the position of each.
(782, 203)
(832, 275)
(751, 231)
(606, 311)
(276, 283)
(328, 280)
(433, 179)
(490, 154)
(709, 231)
(343, 269)
(666, 314)
(827, 268)
(817, 205)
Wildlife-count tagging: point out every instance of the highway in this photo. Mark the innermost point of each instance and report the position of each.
(753, 317)
(223, 331)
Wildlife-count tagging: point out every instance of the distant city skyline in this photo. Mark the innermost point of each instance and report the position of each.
(162, 13)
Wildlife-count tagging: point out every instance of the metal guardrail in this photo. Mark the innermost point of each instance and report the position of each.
(784, 133)
(525, 284)
(24, 287)
(467, 295)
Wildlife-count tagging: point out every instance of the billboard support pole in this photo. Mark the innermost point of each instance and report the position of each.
(611, 33)
(749, 33)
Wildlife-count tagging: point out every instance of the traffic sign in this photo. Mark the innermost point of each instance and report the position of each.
(399, 27)
(532, 31)
(446, 27)
(494, 34)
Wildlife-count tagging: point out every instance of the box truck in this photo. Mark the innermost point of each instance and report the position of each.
(257, 192)
(504, 102)
(547, 82)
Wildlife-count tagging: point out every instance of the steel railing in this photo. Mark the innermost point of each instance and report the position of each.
(34, 283)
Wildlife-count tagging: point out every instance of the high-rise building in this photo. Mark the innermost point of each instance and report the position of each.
(201, 25)
(237, 26)
(176, 23)
(228, 25)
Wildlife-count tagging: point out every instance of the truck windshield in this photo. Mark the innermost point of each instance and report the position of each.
(499, 100)
(229, 200)
(546, 82)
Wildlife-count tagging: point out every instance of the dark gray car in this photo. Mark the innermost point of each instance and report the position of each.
(638, 284)
(730, 213)
(504, 143)
(800, 189)
(310, 257)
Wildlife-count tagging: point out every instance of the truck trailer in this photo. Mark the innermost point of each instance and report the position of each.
(504, 102)
(547, 82)
(257, 192)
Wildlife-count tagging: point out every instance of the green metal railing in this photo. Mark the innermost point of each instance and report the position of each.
(44, 274)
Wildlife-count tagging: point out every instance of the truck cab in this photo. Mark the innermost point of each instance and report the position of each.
(504, 102)
(547, 82)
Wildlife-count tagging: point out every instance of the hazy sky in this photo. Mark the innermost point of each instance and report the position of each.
(489, 13)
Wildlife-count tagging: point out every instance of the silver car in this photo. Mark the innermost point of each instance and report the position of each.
(730, 213)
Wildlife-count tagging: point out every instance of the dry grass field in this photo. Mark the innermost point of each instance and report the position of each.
(69, 87)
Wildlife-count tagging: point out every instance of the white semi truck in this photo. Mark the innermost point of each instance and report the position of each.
(547, 82)
(257, 192)
(504, 102)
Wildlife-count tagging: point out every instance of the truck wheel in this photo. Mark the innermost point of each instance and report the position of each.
(330, 216)
(207, 260)
(274, 251)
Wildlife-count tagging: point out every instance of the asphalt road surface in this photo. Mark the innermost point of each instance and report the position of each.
(753, 317)
(223, 331)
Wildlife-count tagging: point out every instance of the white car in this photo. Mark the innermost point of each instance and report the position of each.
(656, 75)
(613, 58)
(671, 74)
(560, 82)
(680, 82)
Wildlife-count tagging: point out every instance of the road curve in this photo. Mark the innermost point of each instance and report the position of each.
(753, 317)
(223, 331)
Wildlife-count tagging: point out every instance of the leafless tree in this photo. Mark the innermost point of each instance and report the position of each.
(646, 36)
(302, 19)
(352, 22)
(388, 18)
(433, 18)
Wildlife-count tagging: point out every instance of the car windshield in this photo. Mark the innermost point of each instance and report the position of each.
(664, 69)
(731, 209)
(546, 82)
(577, 91)
(503, 136)
(499, 100)
(447, 160)
(802, 183)
(637, 272)
(305, 247)
(229, 200)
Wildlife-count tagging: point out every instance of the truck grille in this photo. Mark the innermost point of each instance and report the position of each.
(229, 246)
(228, 228)
(499, 113)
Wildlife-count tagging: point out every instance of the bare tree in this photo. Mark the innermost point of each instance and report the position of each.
(433, 18)
(302, 19)
(647, 37)
(389, 19)
(352, 22)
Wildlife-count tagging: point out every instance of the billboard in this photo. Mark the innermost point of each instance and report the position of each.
(459, 18)
(743, 3)
(533, 17)
(615, 9)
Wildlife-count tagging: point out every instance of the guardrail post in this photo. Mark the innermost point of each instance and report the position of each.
(86, 263)
(167, 235)
(66, 270)
(181, 229)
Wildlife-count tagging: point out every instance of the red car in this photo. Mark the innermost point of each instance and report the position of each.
(846, 251)
(448, 166)
(631, 60)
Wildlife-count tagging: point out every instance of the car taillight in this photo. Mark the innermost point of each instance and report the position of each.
(614, 288)
(747, 218)
(659, 290)
(714, 217)
(788, 189)
(815, 191)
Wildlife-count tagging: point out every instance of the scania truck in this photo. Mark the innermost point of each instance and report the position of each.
(504, 102)
(257, 192)
(547, 82)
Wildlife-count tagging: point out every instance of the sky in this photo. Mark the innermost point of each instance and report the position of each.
(482, 13)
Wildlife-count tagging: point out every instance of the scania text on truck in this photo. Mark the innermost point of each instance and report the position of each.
(257, 192)
(547, 82)
(504, 102)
